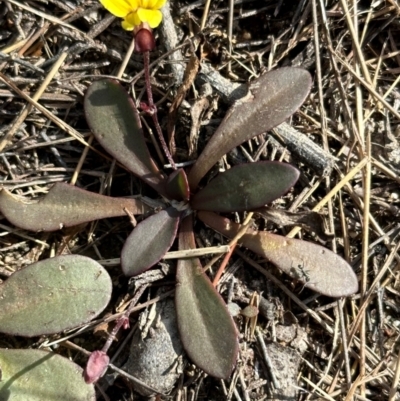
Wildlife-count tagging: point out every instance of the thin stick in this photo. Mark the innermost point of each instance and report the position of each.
(289, 293)
(124, 319)
(108, 319)
(72, 345)
(19, 233)
(368, 295)
(82, 159)
(230, 26)
(367, 86)
(267, 359)
(318, 389)
(359, 62)
(205, 14)
(385, 95)
(194, 253)
(349, 176)
(356, 43)
(15, 46)
(20, 119)
(365, 246)
(48, 17)
(340, 305)
(386, 170)
(127, 57)
(33, 38)
(395, 383)
(187, 253)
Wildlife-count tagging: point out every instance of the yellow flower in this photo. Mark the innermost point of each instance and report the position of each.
(134, 12)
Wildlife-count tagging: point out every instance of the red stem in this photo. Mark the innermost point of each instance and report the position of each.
(122, 320)
(153, 108)
(225, 261)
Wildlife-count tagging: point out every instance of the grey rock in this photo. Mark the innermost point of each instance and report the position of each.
(156, 359)
(285, 363)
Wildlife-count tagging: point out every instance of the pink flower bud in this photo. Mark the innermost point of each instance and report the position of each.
(96, 366)
(125, 324)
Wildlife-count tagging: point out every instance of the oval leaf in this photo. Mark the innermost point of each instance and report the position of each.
(318, 268)
(246, 187)
(114, 121)
(53, 295)
(37, 375)
(64, 206)
(177, 186)
(149, 242)
(207, 331)
(272, 98)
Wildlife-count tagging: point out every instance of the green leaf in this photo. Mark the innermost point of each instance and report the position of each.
(149, 242)
(53, 295)
(207, 331)
(114, 121)
(246, 187)
(318, 268)
(64, 206)
(272, 98)
(177, 186)
(36, 375)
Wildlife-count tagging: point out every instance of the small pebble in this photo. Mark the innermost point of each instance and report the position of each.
(155, 359)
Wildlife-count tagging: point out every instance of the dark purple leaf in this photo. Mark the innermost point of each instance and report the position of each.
(207, 331)
(114, 121)
(53, 295)
(149, 242)
(64, 206)
(177, 186)
(318, 268)
(246, 187)
(272, 98)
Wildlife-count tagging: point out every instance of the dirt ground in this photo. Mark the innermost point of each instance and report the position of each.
(344, 140)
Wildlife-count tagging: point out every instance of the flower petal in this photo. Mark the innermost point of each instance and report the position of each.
(145, 3)
(151, 4)
(127, 26)
(119, 8)
(152, 17)
(157, 4)
(135, 4)
(133, 19)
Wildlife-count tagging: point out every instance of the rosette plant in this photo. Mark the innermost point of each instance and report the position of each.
(207, 331)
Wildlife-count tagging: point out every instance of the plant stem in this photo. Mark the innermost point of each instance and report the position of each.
(232, 247)
(123, 319)
(153, 108)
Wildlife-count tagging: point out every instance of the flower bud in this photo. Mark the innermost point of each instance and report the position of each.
(144, 41)
(96, 366)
